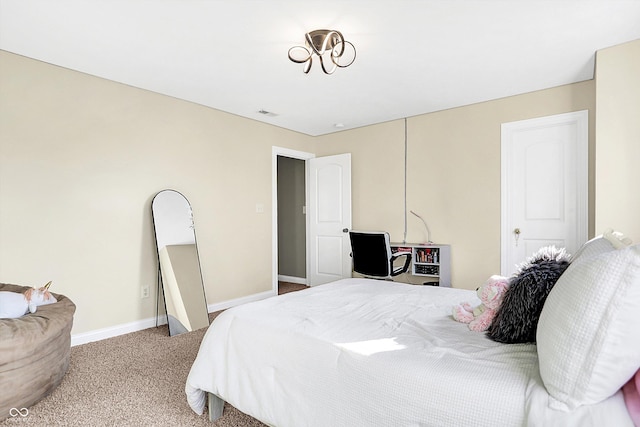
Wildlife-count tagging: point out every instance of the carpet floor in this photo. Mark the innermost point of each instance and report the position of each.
(135, 379)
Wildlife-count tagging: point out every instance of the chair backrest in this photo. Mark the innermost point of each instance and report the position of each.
(371, 252)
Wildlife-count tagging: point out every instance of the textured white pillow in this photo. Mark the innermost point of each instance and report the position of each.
(597, 245)
(588, 335)
(608, 241)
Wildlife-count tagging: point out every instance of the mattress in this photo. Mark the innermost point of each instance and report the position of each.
(362, 352)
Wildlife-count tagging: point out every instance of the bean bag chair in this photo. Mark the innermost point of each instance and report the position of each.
(34, 353)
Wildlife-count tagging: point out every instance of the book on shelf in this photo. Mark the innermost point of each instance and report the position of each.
(432, 270)
(428, 255)
(400, 249)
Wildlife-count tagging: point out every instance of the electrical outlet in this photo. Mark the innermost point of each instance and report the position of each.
(145, 292)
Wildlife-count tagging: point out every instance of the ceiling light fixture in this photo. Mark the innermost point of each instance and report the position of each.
(327, 45)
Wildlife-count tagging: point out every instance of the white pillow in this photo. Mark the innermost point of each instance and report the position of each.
(588, 335)
(608, 241)
(617, 239)
(595, 246)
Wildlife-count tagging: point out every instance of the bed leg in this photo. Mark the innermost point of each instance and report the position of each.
(216, 406)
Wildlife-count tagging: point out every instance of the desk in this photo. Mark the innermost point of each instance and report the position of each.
(428, 260)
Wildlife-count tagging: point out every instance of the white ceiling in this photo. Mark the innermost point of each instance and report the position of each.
(413, 57)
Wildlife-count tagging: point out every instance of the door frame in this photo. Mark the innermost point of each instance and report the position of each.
(294, 154)
(581, 118)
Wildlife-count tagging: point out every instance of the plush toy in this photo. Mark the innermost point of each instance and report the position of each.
(631, 394)
(14, 304)
(480, 317)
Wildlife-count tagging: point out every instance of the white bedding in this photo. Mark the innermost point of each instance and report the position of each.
(361, 352)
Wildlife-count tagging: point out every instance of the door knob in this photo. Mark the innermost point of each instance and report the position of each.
(345, 230)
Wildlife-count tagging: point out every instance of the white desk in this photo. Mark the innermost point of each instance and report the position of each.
(428, 260)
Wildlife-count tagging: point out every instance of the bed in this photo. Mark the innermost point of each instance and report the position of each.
(361, 352)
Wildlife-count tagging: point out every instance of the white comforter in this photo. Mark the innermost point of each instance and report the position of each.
(361, 352)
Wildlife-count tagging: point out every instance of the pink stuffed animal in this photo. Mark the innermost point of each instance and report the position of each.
(631, 394)
(480, 317)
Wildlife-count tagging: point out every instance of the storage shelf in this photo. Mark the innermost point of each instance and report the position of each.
(428, 260)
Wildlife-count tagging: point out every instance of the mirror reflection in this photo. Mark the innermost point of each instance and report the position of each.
(180, 273)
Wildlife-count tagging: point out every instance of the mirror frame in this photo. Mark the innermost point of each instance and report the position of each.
(173, 250)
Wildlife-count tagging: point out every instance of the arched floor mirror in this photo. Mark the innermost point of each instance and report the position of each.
(179, 271)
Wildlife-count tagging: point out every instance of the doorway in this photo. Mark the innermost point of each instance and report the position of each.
(327, 189)
(290, 159)
(544, 186)
(292, 228)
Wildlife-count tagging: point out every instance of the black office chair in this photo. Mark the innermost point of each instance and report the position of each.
(372, 256)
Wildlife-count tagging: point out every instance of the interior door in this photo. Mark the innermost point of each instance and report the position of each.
(544, 186)
(329, 216)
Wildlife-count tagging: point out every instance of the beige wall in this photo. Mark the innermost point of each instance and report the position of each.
(618, 136)
(80, 160)
(453, 174)
(82, 157)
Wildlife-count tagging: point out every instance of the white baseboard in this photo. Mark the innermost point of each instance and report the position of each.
(237, 301)
(126, 328)
(292, 279)
(113, 331)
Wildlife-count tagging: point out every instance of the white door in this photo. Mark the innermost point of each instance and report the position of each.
(544, 186)
(329, 216)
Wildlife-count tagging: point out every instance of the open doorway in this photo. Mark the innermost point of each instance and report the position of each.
(289, 180)
(327, 192)
(292, 242)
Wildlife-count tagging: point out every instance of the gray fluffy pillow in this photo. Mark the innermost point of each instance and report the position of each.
(516, 320)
